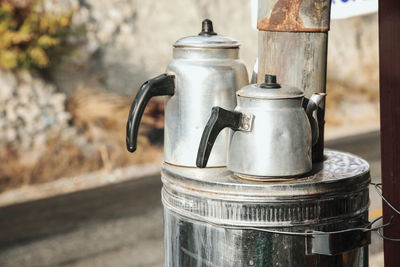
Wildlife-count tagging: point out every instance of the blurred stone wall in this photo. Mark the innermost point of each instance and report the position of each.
(353, 76)
(353, 52)
(129, 41)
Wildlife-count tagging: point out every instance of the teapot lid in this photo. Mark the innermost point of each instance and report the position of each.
(270, 89)
(207, 38)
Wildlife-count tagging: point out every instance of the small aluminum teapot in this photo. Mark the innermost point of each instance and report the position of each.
(273, 134)
(205, 71)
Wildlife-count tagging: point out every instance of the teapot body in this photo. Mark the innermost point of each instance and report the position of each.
(278, 143)
(204, 78)
(272, 135)
(205, 71)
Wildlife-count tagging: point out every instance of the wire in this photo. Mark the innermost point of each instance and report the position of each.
(387, 238)
(366, 228)
(377, 228)
(378, 188)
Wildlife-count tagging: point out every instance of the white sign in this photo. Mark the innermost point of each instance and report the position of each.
(342, 9)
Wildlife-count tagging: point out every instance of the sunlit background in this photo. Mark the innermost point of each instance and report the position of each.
(69, 70)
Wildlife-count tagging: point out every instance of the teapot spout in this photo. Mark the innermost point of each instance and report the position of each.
(312, 106)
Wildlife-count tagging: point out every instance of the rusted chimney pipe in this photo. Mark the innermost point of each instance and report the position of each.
(293, 40)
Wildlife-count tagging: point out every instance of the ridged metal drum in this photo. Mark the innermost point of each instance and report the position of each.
(212, 218)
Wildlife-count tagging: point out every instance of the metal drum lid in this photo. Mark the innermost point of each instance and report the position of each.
(336, 189)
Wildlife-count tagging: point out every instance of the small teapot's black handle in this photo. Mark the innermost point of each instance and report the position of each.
(163, 84)
(219, 119)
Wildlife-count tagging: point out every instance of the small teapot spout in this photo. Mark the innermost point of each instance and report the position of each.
(312, 106)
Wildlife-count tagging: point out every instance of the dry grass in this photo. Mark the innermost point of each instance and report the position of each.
(100, 119)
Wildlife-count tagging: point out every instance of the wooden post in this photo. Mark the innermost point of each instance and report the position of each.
(293, 39)
(389, 67)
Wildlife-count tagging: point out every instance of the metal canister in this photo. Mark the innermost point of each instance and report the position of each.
(213, 218)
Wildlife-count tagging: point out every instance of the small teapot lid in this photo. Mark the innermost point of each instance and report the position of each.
(207, 38)
(270, 89)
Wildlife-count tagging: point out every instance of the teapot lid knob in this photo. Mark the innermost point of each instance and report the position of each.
(270, 82)
(207, 28)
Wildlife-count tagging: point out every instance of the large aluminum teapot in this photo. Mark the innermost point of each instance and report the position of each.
(273, 134)
(205, 71)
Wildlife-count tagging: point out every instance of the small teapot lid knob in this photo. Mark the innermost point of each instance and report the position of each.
(270, 82)
(207, 28)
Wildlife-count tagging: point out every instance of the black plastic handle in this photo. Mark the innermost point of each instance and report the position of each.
(163, 84)
(220, 118)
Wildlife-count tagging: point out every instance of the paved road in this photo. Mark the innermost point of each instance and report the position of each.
(118, 225)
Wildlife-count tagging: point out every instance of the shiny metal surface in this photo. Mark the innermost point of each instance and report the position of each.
(194, 243)
(274, 136)
(339, 171)
(204, 78)
(207, 38)
(279, 143)
(312, 114)
(284, 92)
(280, 139)
(211, 216)
(216, 41)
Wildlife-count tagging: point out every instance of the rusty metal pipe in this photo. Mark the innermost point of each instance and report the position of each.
(294, 15)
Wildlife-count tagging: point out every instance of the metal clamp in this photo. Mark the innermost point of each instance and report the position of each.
(246, 122)
(324, 243)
